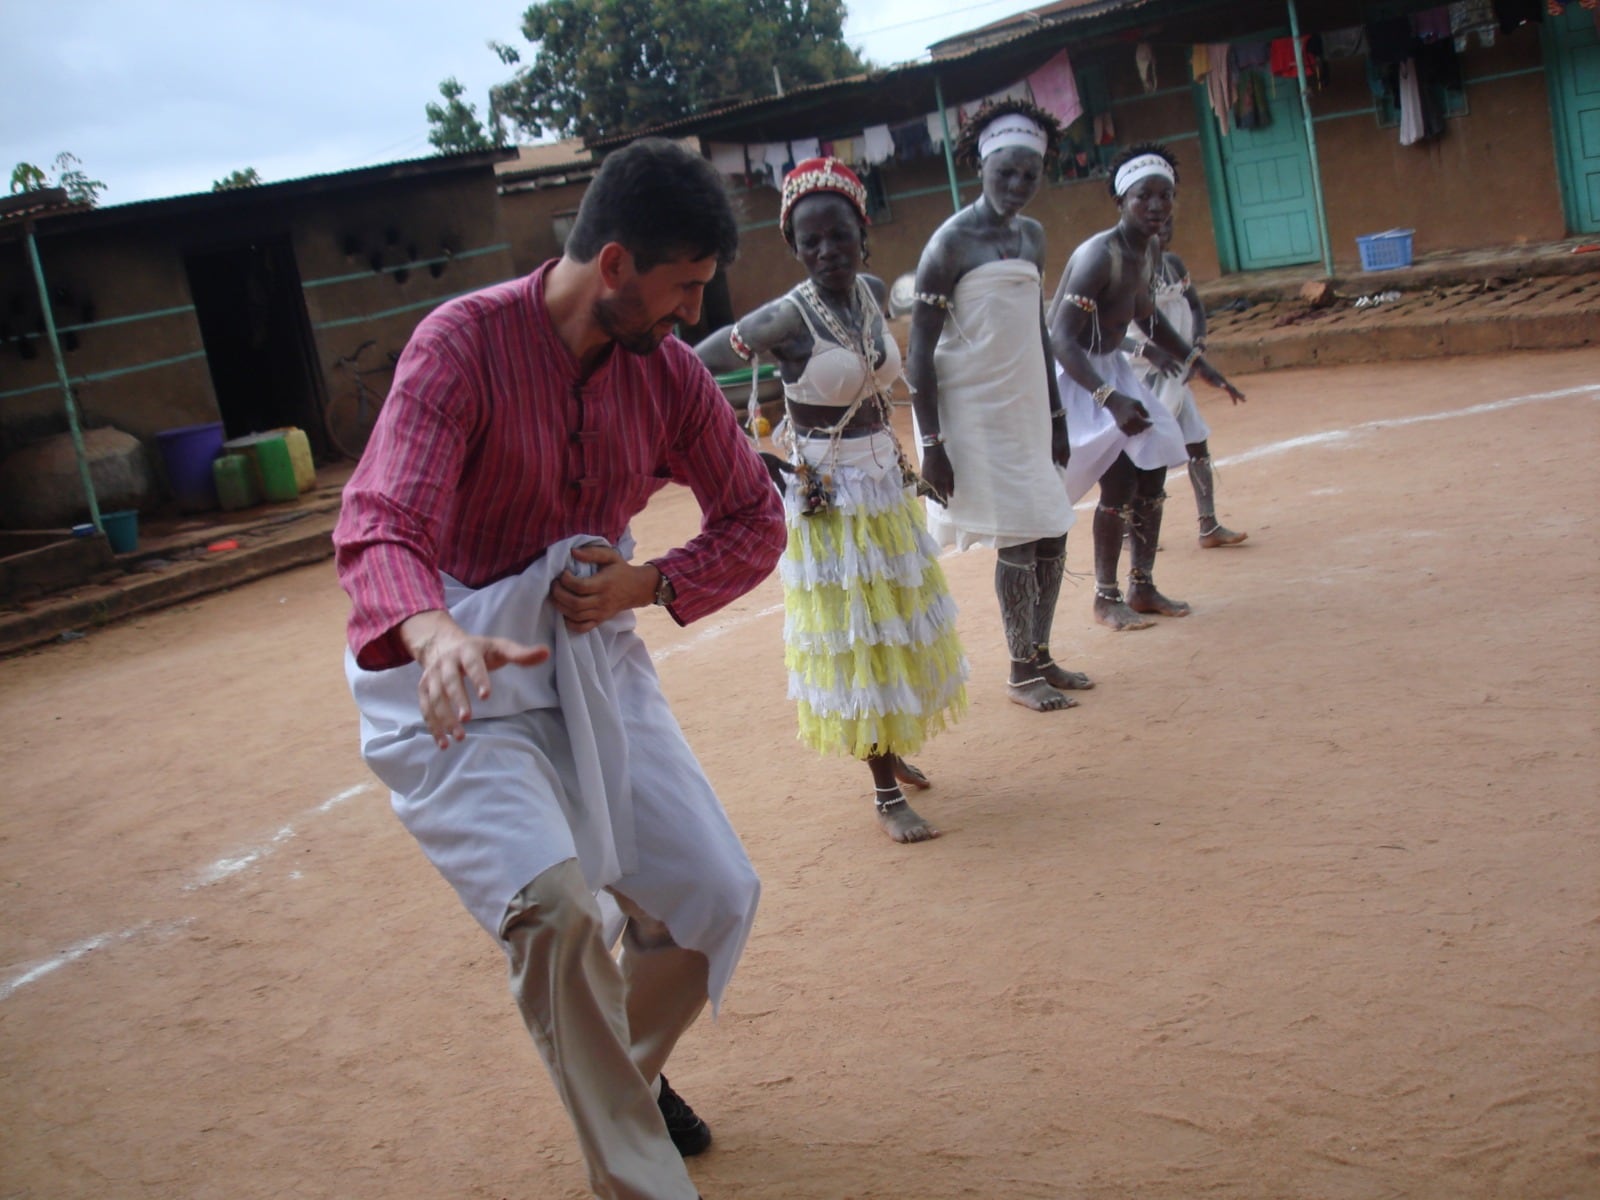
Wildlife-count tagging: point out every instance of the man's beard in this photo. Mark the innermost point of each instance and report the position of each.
(618, 318)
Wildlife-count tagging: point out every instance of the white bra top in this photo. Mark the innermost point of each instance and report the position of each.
(834, 375)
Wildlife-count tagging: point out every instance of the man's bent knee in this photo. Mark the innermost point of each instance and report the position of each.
(558, 899)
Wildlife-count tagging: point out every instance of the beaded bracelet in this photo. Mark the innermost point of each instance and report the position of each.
(1083, 302)
(1102, 394)
(740, 346)
(931, 300)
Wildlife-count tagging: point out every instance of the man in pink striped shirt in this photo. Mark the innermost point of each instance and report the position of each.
(486, 530)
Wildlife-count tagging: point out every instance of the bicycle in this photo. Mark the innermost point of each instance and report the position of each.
(349, 415)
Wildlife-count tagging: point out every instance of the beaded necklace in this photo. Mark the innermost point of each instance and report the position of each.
(860, 342)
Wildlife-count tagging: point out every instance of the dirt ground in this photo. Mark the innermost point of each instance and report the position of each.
(1301, 902)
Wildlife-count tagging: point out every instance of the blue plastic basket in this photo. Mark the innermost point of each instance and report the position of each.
(1385, 251)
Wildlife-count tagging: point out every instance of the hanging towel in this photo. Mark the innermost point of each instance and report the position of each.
(779, 163)
(1200, 61)
(801, 149)
(1411, 127)
(1055, 89)
(1283, 57)
(879, 146)
(1220, 83)
(727, 158)
(1105, 130)
(1144, 59)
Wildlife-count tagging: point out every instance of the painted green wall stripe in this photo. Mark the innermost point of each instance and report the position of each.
(394, 312)
(114, 373)
(101, 324)
(421, 262)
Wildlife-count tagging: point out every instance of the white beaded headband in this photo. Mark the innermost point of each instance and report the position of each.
(1136, 169)
(1011, 129)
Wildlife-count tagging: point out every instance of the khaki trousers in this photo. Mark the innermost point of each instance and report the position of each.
(604, 1030)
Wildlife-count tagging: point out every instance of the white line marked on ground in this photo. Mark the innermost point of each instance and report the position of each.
(222, 869)
(37, 971)
(712, 632)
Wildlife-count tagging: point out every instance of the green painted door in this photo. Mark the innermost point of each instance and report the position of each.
(1267, 177)
(1572, 61)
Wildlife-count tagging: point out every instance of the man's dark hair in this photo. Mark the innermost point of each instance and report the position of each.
(1133, 152)
(660, 201)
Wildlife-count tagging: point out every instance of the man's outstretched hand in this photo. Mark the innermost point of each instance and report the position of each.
(455, 666)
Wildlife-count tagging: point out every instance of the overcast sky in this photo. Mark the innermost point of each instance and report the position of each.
(162, 97)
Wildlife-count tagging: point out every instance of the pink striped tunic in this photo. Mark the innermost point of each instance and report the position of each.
(490, 448)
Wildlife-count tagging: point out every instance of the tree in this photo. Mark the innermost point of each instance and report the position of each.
(609, 66)
(249, 177)
(80, 189)
(455, 127)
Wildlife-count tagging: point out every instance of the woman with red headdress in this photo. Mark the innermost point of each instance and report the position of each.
(870, 643)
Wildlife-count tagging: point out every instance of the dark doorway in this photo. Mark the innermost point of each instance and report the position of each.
(258, 340)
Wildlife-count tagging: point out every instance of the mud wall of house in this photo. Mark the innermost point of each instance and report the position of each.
(374, 261)
(1489, 181)
(530, 215)
(130, 340)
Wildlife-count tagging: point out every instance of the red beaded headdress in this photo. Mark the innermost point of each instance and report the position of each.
(821, 175)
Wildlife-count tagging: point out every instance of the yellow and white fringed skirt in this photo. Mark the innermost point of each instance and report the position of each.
(869, 633)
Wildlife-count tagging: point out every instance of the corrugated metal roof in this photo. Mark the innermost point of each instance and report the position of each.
(201, 203)
(963, 76)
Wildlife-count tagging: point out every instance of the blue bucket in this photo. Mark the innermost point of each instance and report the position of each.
(187, 455)
(122, 529)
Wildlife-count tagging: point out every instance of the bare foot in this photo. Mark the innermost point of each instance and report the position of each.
(1115, 615)
(1038, 695)
(1143, 598)
(1062, 679)
(901, 822)
(908, 774)
(1219, 535)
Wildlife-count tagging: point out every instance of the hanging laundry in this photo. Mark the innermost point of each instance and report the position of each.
(1247, 55)
(879, 145)
(1220, 83)
(1439, 66)
(1200, 61)
(1383, 79)
(911, 141)
(1252, 106)
(1105, 130)
(1432, 24)
(1017, 91)
(1347, 43)
(1055, 89)
(1144, 59)
(827, 149)
(1283, 58)
(728, 158)
(801, 149)
(1469, 15)
(779, 161)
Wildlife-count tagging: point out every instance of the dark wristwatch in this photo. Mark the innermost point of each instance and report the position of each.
(665, 592)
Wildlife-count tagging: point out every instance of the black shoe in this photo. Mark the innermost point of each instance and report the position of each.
(688, 1132)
